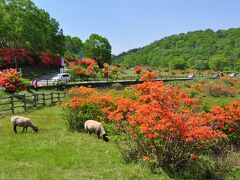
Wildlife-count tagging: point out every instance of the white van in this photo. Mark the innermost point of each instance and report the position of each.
(62, 77)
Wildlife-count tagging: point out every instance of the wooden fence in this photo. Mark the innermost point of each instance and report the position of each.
(17, 101)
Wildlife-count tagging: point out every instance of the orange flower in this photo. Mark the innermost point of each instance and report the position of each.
(145, 158)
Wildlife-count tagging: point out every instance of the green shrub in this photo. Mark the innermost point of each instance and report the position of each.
(76, 116)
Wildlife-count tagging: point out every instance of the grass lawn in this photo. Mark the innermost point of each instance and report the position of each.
(56, 153)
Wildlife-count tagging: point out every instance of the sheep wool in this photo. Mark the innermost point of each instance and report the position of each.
(95, 127)
(22, 122)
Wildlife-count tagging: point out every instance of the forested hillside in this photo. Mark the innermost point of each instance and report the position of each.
(201, 50)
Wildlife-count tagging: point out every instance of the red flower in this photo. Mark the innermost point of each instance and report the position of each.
(90, 69)
(195, 156)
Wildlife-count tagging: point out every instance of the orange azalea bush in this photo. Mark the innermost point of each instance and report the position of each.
(227, 119)
(11, 80)
(157, 121)
(217, 90)
(86, 103)
(225, 86)
(87, 61)
(148, 76)
(164, 124)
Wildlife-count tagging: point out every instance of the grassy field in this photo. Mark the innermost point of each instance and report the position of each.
(56, 153)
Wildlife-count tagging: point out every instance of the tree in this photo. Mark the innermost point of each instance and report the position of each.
(179, 63)
(24, 26)
(73, 46)
(218, 62)
(98, 48)
(195, 47)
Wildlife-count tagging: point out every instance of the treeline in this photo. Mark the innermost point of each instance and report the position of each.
(200, 50)
(26, 28)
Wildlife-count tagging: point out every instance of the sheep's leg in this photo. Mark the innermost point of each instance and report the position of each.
(15, 128)
(23, 129)
(26, 129)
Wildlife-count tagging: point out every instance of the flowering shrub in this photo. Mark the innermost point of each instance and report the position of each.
(11, 81)
(162, 124)
(138, 69)
(10, 56)
(110, 71)
(162, 118)
(84, 68)
(86, 103)
(87, 62)
(118, 65)
(215, 90)
(50, 60)
(227, 119)
(148, 76)
(82, 106)
(225, 86)
(105, 65)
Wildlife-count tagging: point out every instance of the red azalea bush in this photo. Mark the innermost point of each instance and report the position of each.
(11, 81)
(84, 68)
(138, 69)
(10, 56)
(160, 122)
(50, 60)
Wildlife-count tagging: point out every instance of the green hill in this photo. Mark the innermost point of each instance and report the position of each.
(203, 49)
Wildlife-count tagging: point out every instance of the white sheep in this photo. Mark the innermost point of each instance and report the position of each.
(96, 127)
(22, 122)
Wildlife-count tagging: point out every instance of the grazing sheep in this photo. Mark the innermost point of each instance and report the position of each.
(96, 127)
(22, 122)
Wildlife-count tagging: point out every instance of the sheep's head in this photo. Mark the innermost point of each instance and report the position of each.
(105, 138)
(35, 129)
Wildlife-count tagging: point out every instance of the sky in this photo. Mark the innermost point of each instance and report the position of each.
(129, 24)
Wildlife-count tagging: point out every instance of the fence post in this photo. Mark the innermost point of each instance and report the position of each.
(51, 97)
(59, 96)
(35, 99)
(44, 99)
(12, 103)
(24, 102)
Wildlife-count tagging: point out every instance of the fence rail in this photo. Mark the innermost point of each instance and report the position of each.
(17, 101)
(25, 102)
(44, 84)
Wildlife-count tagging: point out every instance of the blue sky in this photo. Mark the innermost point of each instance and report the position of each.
(130, 24)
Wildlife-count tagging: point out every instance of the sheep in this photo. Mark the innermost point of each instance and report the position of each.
(96, 127)
(22, 122)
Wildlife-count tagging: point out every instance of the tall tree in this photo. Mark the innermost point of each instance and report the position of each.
(98, 48)
(218, 62)
(25, 26)
(73, 46)
(198, 49)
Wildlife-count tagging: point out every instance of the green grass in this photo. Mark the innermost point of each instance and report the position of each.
(56, 153)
